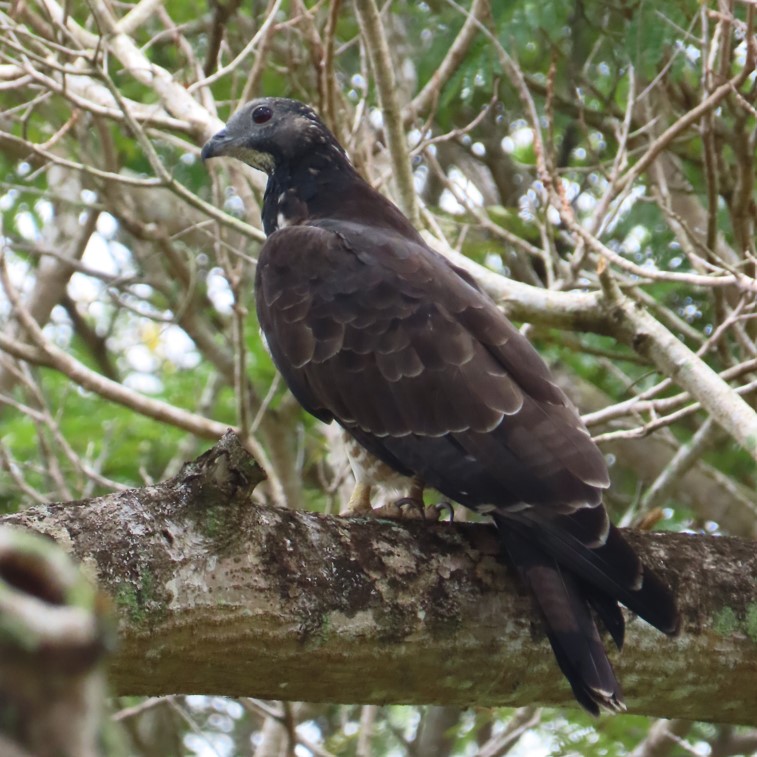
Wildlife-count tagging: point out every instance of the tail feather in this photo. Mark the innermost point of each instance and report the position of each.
(570, 627)
(615, 569)
(573, 566)
(608, 611)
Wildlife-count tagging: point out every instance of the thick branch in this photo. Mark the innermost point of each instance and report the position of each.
(220, 595)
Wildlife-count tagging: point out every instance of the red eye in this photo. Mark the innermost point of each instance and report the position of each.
(261, 114)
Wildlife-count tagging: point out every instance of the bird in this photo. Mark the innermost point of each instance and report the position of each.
(374, 330)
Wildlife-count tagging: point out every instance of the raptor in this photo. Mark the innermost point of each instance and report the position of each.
(374, 330)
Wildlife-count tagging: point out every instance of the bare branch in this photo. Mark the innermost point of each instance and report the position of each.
(386, 85)
(650, 338)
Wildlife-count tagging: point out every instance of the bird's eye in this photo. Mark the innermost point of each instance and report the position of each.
(261, 114)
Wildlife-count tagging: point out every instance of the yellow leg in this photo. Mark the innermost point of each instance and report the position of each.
(360, 501)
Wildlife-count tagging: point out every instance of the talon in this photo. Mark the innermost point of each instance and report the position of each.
(411, 504)
(441, 507)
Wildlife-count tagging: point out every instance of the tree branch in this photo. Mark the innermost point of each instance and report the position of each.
(386, 86)
(648, 337)
(219, 595)
(429, 95)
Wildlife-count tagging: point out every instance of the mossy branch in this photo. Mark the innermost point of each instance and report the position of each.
(217, 594)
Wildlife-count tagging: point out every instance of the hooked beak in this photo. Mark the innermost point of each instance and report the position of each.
(216, 145)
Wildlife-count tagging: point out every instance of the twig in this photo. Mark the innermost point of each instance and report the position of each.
(56, 358)
(522, 720)
(677, 361)
(429, 95)
(741, 281)
(686, 456)
(247, 50)
(138, 709)
(386, 86)
(661, 738)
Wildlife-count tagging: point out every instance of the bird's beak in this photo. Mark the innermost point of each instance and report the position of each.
(216, 145)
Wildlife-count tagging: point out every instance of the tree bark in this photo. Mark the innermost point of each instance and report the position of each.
(218, 595)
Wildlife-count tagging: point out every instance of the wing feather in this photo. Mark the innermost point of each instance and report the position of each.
(381, 333)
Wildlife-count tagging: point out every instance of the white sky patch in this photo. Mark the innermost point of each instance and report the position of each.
(107, 256)
(650, 265)
(534, 744)
(142, 291)
(146, 383)
(97, 256)
(107, 226)
(586, 202)
(571, 189)
(44, 209)
(27, 226)
(188, 158)
(617, 212)
(100, 313)
(104, 257)
(350, 728)
(312, 733)
(635, 239)
(420, 177)
(179, 348)
(21, 277)
(553, 215)
(414, 137)
(493, 261)
(692, 52)
(233, 203)
(84, 289)
(447, 200)
(209, 744)
(448, 203)
(58, 329)
(518, 139)
(219, 291)
(141, 358)
(375, 118)
(478, 149)
(8, 200)
(527, 205)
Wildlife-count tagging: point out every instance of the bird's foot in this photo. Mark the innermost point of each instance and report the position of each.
(409, 508)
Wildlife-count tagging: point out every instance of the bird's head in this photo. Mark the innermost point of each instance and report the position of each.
(272, 131)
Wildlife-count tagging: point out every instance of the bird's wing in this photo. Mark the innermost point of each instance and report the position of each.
(383, 335)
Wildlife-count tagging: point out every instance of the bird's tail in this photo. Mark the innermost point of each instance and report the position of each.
(568, 579)
(587, 544)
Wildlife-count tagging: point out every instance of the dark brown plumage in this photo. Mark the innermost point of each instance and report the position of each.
(373, 329)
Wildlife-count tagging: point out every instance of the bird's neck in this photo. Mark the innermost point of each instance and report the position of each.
(325, 187)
